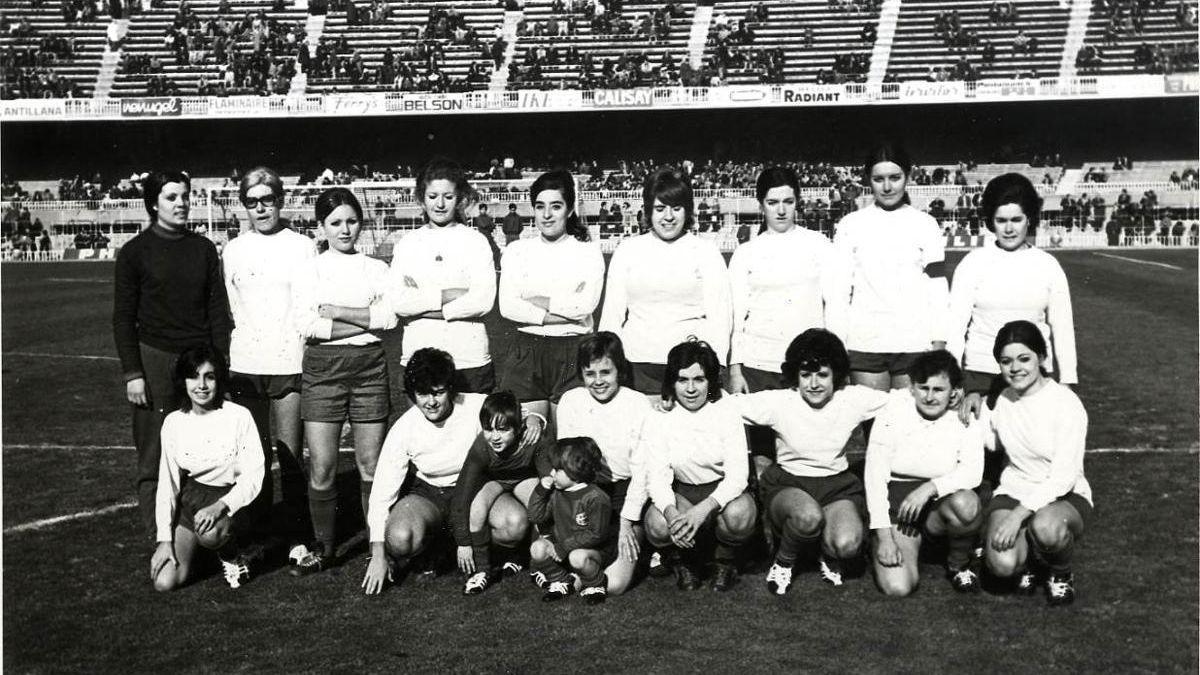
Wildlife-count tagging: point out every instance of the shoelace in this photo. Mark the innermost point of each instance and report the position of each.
(831, 575)
(780, 575)
(558, 587)
(234, 571)
(511, 567)
(593, 590)
(964, 577)
(1058, 586)
(477, 580)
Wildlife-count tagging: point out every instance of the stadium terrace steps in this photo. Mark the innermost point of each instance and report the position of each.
(915, 50)
(1081, 11)
(698, 38)
(881, 54)
(108, 71)
(1160, 27)
(835, 31)
(45, 19)
(499, 77)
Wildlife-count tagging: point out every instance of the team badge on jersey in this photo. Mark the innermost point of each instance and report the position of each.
(581, 519)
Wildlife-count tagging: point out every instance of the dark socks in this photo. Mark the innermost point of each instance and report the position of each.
(364, 488)
(551, 568)
(959, 551)
(323, 506)
(725, 552)
(790, 545)
(1056, 562)
(480, 549)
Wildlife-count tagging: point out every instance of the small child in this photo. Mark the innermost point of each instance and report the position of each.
(581, 513)
(921, 470)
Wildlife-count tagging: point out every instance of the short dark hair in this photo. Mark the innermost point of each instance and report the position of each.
(685, 355)
(562, 181)
(188, 364)
(501, 410)
(605, 344)
(1020, 332)
(152, 186)
(812, 350)
(668, 186)
(1011, 188)
(579, 457)
(333, 198)
(935, 362)
(773, 177)
(428, 369)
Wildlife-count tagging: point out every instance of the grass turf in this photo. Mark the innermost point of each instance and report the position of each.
(76, 594)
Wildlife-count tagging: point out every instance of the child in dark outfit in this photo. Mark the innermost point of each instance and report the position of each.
(581, 513)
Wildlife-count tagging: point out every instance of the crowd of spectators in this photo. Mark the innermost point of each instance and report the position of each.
(734, 47)
(29, 69)
(1165, 59)
(1128, 18)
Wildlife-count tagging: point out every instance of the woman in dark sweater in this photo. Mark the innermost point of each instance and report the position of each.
(168, 296)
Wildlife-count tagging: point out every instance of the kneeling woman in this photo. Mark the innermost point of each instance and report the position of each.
(922, 466)
(697, 468)
(211, 468)
(339, 300)
(492, 492)
(1043, 502)
(810, 493)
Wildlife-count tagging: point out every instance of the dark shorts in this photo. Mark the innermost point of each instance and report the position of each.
(762, 380)
(695, 493)
(247, 385)
(894, 363)
(824, 489)
(194, 496)
(1008, 503)
(540, 368)
(439, 497)
(899, 490)
(510, 484)
(617, 491)
(647, 377)
(986, 384)
(344, 382)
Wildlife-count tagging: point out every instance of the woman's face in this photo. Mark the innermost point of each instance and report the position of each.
(342, 228)
(435, 405)
(779, 208)
(262, 207)
(934, 396)
(174, 203)
(600, 378)
(667, 222)
(816, 386)
(202, 387)
(1012, 227)
(1021, 368)
(691, 388)
(500, 437)
(440, 202)
(550, 213)
(888, 183)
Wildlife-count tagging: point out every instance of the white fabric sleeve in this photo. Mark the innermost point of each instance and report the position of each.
(169, 477)
(737, 458)
(1061, 318)
(635, 497)
(757, 408)
(968, 471)
(616, 298)
(962, 306)
(231, 291)
(739, 291)
(512, 305)
(575, 301)
(382, 315)
(250, 468)
(842, 280)
(390, 471)
(1066, 466)
(408, 301)
(877, 471)
(659, 473)
(481, 296)
(718, 315)
(834, 282)
(933, 251)
(305, 285)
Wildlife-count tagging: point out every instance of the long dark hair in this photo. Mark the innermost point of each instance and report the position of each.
(564, 183)
(188, 365)
(888, 151)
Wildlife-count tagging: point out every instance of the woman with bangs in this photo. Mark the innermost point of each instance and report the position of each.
(340, 302)
(549, 286)
(492, 492)
(667, 285)
(893, 287)
(266, 351)
(809, 494)
(696, 470)
(606, 410)
(443, 280)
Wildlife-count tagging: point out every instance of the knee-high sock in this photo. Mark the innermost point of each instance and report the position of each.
(1057, 562)
(323, 506)
(364, 489)
(551, 568)
(481, 542)
(959, 550)
(598, 579)
(791, 542)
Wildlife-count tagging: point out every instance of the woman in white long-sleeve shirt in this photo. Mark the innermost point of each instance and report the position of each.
(697, 469)
(211, 467)
(339, 301)
(266, 351)
(894, 285)
(550, 286)
(1006, 281)
(443, 281)
(667, 285)
(1043, 502)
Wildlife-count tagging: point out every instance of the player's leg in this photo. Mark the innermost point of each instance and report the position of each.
(589, 565)
(1053, 531)
(1009, 563)
(797, 520)
(323, 440)
(734, 526)
(175, 574)
(958, 517)
(842, 538)
(899, 580)
(289, 450)
(368, 443)
(410, 525)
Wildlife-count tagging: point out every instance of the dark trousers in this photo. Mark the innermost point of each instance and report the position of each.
(147, 424)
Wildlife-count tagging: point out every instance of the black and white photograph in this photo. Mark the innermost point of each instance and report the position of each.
(647, 336)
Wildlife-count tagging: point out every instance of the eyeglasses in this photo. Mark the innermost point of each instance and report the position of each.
(253, 202)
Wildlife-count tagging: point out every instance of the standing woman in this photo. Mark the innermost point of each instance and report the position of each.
(266, 351)
(894, 286)
(168, 296)
(1043, 502)
(1007, 281)
(550, 286)
(443, 281)
(667, 285)
(339, 300)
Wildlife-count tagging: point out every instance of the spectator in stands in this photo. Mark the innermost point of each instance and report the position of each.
(511, 225)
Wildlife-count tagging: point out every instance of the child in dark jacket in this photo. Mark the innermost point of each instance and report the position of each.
(581, 539)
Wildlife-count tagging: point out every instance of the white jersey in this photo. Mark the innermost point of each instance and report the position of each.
(569, 273)
(699, 447)
(616, 426)
(343, 279)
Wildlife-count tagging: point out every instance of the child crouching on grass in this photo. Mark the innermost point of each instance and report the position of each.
(581, 540)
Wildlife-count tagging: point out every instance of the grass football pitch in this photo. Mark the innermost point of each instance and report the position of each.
(77, 595)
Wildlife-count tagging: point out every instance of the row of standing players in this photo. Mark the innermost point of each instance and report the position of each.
(879, 286)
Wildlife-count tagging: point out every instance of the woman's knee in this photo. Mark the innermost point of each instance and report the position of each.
(401, 540)
(168, 579)
(1003, 564)
(896, 584)
(321, 476)
(583, 559)
(737, 520)
(961, 510)
(541, 550)
(804, 522)
(214, 538)
(511, 531)
(1048, 532)
(657, 531)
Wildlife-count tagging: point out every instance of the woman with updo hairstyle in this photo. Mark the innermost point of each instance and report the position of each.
(1043, 502)
(893, 281)
(1009, 279)
(266, 351)
(168, 296)
(549, 286)
(443, 280)
(667, 285)
(339, 302)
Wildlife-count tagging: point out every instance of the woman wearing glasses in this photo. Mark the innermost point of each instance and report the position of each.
(266, 350)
